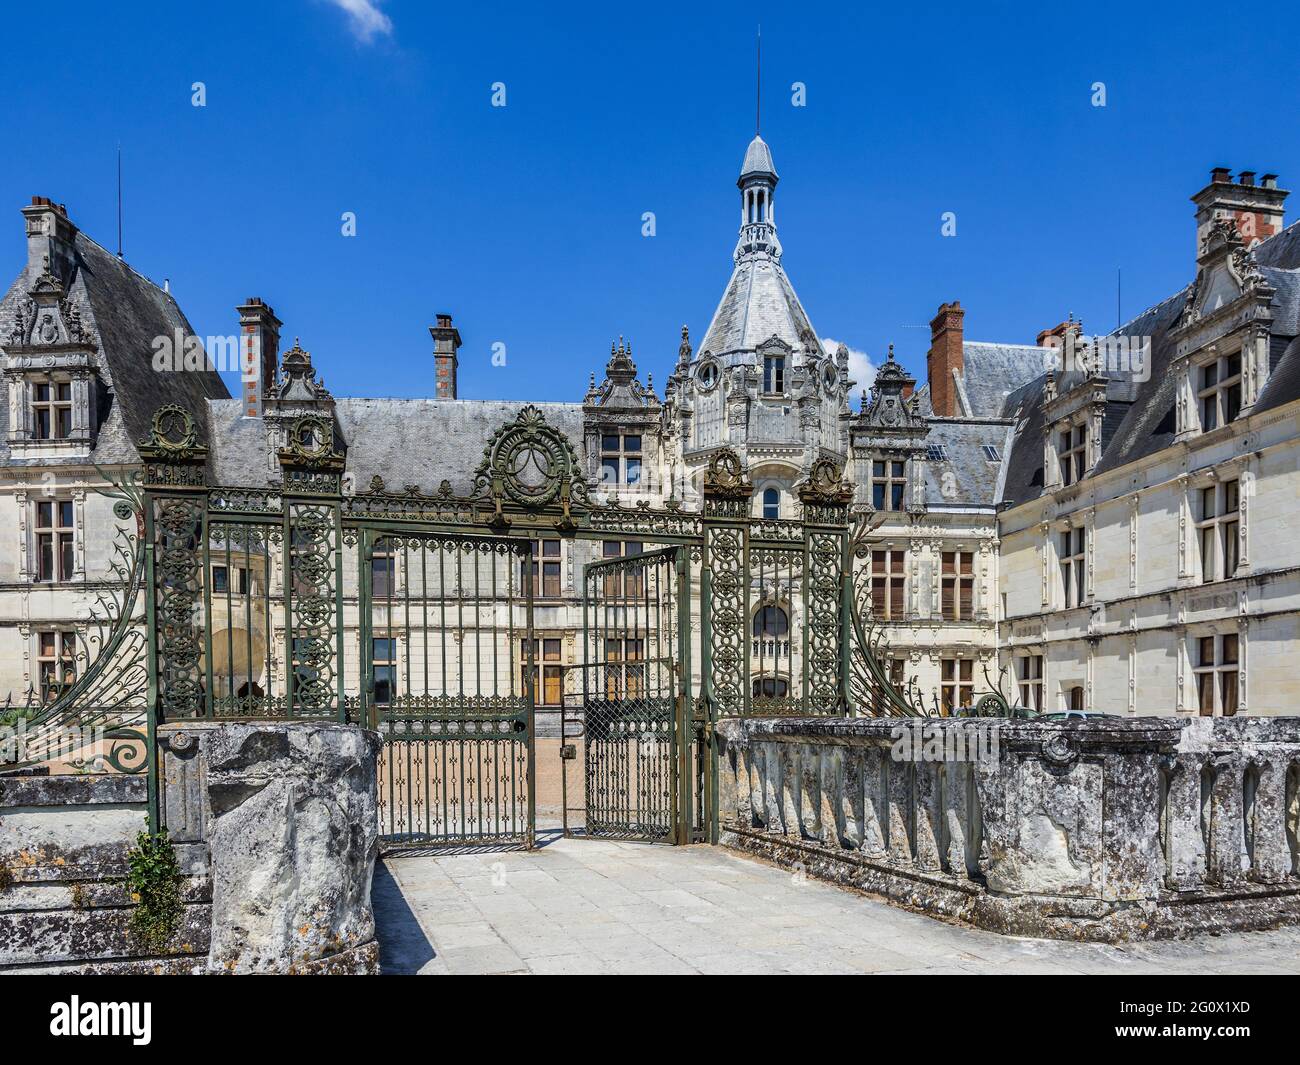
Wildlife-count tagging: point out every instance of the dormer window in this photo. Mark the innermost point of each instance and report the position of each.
(620, 458)
(888, 484)
(1072, 450)
(51, 405)
(1218, 391)
(774, 374)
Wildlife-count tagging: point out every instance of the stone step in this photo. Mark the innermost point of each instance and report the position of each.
(99, 934)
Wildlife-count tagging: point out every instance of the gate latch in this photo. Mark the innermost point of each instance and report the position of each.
(569, 752)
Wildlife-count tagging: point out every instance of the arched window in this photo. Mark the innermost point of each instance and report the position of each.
(771, 503)
(771, 622)
(771, 687)
(1076, 698)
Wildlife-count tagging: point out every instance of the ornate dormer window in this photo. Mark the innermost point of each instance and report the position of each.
(889, 437)
(1218, 393)
(888, 484)
(51, 374)
(773, 374)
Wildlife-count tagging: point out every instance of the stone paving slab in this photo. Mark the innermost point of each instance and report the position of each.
(579, 906)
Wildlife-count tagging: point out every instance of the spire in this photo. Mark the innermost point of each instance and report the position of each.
(757, 184)
(758, 84)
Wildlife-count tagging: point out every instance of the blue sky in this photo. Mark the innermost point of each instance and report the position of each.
(524, 222)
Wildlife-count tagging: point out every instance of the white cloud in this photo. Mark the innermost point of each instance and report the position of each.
(862, 371)
(365, 20)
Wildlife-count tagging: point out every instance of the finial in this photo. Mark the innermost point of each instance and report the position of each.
(891, 352)
(758, 85)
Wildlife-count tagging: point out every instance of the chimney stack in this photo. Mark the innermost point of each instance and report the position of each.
(945, 358)
(49, 232)
(1256, 208)
(446, 342)
(259, 342)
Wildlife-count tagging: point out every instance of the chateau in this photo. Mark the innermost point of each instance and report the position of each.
(1111, 532)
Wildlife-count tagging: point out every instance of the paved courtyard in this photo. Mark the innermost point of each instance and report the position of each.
(590, 906)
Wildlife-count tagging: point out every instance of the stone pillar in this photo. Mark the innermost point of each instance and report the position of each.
(293, 835)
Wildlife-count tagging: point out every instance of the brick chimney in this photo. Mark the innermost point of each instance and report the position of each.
(259, 333)
(1255, 206)
(446, 342)
(945, 357)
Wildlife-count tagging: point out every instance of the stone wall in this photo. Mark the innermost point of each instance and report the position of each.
(275, 828)
(1107, 829)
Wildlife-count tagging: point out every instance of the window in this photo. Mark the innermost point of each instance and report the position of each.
(1216, 666)
(887, 484)
(1072, 449)
(620, 458)
(54, 532)
(897, 672)
(1075, 698)
(383, 657)
(383, 572)
(1030, 668)
(221, 580)
(546, 569)
(887, 577)
(548, 674)
(56, 662)
(771, 629)
(936, 453)
(1218, 530)
(773, 374)
(628, 583)
(1218, 391)
(991, 453)
(1074, 572)
(51, 410)
(771, 503)
(958, 587)
(624, 668)
(771, 688)
(958, 683)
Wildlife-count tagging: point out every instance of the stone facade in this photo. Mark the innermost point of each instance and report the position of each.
(960, 485)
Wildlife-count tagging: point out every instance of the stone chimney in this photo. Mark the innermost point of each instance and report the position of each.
(259, 338)
(49, 233)
(1256, 207)
(446, 342)
(945, 358)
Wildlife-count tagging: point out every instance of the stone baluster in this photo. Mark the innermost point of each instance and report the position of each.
(927, 815)
(899, 789)
(875, 802)
(1227, 863)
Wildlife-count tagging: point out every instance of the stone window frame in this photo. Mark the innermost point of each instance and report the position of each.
(1223, 664)
(957, 578)
(621, 456)
(960, 684)
(891, 575)
(63, 643)
(546, 669)
(52, 406)
(1218, 392)
(59, 534)
(1075, 557)
(1031, 677)
(890, 481)
(1076, 456)
(776, 371)
(1225, 496)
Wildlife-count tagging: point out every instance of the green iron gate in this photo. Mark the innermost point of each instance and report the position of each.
(413, 613)
(637, 744)
(447, 649)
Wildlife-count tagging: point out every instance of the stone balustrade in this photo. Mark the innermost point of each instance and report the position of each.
(1106, 829)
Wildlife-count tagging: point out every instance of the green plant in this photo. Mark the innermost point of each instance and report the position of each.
(153, 881)
(6, 878)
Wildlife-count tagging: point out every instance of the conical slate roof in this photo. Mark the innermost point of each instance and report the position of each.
(758, 304)
(758, 159)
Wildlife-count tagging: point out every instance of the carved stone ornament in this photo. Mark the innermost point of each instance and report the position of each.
(726, 476)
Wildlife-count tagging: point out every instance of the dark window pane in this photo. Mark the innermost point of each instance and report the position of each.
(632, 443)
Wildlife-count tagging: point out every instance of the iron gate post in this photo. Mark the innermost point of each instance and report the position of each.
(725, 521)
(825, 498)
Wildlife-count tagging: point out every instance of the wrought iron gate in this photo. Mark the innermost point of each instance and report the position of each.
(448, 681)
(635, 694)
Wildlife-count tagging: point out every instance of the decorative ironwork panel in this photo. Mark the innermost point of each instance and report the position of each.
(179, 528)
(631, 728)
(313, 644)
(244, 592)
(449, 671)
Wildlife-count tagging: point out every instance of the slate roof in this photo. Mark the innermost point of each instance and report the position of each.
(758, 303)
(125, 311)
(1146, 423)
(758, 159)
(965, 476)
(404, 441)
